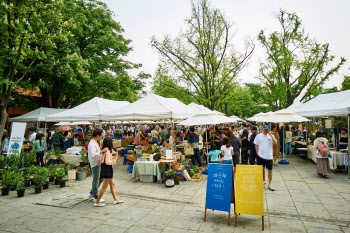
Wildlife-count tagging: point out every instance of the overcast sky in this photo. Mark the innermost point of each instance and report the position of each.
(326, 20)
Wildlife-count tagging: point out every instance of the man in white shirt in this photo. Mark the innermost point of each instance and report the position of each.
(32, 135)
(94, 154)
(263, 145)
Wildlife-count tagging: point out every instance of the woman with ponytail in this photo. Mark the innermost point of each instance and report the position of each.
(39, 147)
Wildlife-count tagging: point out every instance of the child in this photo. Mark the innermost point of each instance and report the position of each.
(213, 154)
(76, 139)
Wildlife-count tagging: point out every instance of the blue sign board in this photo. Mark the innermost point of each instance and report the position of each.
(219, 187)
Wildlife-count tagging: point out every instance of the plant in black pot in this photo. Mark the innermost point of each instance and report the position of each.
(51, 170)
(8, 180)
(39, 177)
(60, 173)
(26, 179)
(84, 158)
(20, 185)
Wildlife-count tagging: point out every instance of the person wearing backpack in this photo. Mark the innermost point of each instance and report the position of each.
(108, 159)
(322, 153)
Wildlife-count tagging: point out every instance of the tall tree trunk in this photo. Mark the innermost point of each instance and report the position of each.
(3, 118)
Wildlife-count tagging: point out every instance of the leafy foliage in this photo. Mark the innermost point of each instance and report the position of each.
(201, 60)
(294, 62)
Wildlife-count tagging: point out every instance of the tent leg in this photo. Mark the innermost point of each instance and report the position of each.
(348, 157)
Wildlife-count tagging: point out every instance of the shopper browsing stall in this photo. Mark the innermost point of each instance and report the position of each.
(322, 152)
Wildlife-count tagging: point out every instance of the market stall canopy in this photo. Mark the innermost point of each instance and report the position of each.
(235, 118)
(37, 115)
(74, 123)
(284, 115)
(332, 104)
(199, 108)
(206, 119)
(259, 117)
(88, 111)
(151, 107)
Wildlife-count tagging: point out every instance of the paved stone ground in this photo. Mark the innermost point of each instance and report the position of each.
(302, 202)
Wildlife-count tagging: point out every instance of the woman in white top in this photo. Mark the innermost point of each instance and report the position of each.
(227, 151)
(288, 140)
(154, 134)
(321, 161)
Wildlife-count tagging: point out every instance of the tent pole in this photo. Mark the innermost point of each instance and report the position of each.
(284, 140)
(171, 130)
(138, 127)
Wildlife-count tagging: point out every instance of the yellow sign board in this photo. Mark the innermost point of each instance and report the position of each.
(249, 190)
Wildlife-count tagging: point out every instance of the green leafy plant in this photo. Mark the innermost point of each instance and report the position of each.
(84, 156)
(20, 184)
(60, 170)
(56, 152)
(169, 174)
(29, 158)
(40, 175)
(9, 179)
(12, 161)
(157, 149)
(51, 169)
(2, 162)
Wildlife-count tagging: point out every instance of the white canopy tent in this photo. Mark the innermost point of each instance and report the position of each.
(151, 107)
(37, 115)
(259, 117)
(206, 119)
(88, 111)
(74, 123)
(332, 104)
(235, 118)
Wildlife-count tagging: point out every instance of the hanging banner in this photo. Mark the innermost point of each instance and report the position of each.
(17, 137)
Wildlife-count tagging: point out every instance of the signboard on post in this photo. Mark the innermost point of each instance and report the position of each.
(17, 137)
(219, 188)
(249, 191)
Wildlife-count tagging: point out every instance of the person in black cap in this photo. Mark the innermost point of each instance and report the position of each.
(263, 145)
(251, 149)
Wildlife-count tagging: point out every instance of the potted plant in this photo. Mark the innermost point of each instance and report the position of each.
(39, 177)
(57, 154)
(7, 180)
(60, 173)
(170, 174)
(12, 161)
(20, 185)
(26, 178)
(51, 170)
(84, 158)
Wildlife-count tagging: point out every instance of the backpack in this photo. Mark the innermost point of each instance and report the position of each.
(323, 148)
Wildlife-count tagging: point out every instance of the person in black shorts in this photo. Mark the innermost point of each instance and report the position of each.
(263, 146)
(107, 173)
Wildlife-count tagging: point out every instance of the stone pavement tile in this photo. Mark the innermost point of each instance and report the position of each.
(177, 230)
(108, 228)
(250, 223)
(279, 200)
(15, 225)
(279, 186)
(345, 229)
(137, 229)
(283, 209)
(297, 185)
(322, 189)
(168, 210)
(50, 225)
(80, 225)
(154, 221)
(197, 209)
(187, 221)
(147, 203)
(278, 224)
(133, 213)
(340, 216)
(332, 204)
(11, 215)
(159, 194)
(308, 196)
(71, 215)
(313, 209)
(218, 227)
(292, 177)
(341, 188)
(346, 196)
(320, 227)
(120, 223)
(5, 208)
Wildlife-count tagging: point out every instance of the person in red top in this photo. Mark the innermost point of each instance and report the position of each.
(81, 135)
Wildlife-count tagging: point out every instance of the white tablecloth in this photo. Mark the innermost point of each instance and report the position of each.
(117, 143)
(72, 159)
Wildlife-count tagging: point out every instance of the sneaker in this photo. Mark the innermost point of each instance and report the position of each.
(90, 195)
(94, 200)
(275, 164)
(118, 202)
(99, 205)
(325, 177)
(264, 182)
(271, 188)
(320, 174)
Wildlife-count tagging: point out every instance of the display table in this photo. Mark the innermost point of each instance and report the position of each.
(72, 159)
(337, 157)
(126, 141)
(148, 168)
(117, 143)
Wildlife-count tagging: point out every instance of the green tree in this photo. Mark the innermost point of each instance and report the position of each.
(346, 83)
(294, 62)
(165, 85)
(91, 63)
(22, 24)
(201, 59)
